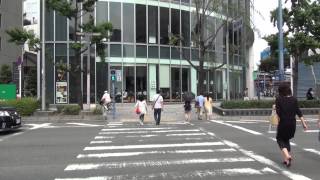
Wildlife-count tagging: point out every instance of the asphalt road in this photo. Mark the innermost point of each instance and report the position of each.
(242, 150)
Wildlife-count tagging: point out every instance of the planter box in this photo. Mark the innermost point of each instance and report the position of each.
(258, 112)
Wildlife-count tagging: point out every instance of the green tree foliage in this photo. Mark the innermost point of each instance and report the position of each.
(74, 10)
(204, 33)
(271, 64)
(303, 22)
(21, 36)
(5, 74)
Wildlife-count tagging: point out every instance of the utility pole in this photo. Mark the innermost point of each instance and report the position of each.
(280, 23)
(43, 73)
(88, 36)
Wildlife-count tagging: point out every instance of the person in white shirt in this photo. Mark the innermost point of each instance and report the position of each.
(157, 106)
(142, 106)
(106, 100)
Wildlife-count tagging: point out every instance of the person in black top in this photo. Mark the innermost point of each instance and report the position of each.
(187, 111)
(310, 94)
(287, 109)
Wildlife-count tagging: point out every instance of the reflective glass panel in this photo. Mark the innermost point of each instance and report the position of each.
(153, 25)
(128, 22)
(140, 23)
(164, 25)
(115, 19)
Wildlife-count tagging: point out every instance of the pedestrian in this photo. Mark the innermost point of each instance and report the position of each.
(310, 94)
(208, 104)
(245, 95)
(199, 105)
(287, 109)
(157, 107)
(141, 108)
(187, 111)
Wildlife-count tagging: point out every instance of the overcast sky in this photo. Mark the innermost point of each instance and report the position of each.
(263, 24)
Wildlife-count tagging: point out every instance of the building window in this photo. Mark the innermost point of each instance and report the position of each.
(164, 25)
(0, 19)
(115, 19)
(185, 29)
(141, 23)
(128, 22)
(153, 25)
(175, 22)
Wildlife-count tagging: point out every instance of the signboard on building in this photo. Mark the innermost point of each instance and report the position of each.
(61, 92)
(118, 75)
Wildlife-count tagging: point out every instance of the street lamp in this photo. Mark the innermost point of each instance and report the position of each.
(280, 22)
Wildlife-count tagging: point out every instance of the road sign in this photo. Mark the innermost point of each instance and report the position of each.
(118, 75)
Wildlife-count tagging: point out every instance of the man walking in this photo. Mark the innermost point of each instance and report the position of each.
(157, 107)
(200, 101)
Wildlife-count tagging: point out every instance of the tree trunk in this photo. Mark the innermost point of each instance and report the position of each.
(295, 70)
(78, 58)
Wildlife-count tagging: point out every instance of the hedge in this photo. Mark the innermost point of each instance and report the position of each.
(240, 104)
(24, 106)
(70, 109)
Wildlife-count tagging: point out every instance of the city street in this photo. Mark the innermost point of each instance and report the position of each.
(174, 150)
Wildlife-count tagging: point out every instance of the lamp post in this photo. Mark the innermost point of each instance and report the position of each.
(280, 22)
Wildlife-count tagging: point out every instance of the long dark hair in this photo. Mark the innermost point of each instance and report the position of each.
(284, 90)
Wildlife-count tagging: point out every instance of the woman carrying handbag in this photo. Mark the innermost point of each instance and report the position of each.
(141, 108)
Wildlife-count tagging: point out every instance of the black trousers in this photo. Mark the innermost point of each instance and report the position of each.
(157, 115)
(284, 144)
(141, 117)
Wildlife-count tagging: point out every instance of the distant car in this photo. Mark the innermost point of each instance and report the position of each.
(9, 118)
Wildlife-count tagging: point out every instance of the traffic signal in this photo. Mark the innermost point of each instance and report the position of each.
(113, 74)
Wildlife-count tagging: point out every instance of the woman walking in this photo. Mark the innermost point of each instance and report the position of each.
(187, 111)
(287, 109)
(208, 106)
(141, 108)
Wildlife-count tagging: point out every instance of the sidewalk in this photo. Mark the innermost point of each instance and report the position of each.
(125, 113)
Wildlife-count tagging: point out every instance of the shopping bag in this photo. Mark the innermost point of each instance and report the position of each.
(274, 120)
(137, 110)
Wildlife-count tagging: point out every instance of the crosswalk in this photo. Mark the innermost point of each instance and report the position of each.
(176, 151)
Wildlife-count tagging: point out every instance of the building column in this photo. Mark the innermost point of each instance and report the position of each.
(193, 81)
(152, 88)
(225, 84)
(249, 75)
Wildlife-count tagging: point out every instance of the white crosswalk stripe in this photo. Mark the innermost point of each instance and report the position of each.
(116, 150)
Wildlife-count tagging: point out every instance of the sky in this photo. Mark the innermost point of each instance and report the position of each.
(263, 24)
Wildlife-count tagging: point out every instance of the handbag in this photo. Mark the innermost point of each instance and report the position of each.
(137, 110)
(274, 119)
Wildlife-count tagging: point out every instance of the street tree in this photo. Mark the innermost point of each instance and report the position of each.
(205, 34)
(5, 74)
(302, 22)
(74, 10)
(270, 64)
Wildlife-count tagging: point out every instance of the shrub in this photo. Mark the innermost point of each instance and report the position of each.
(97, 110)
(240, 104)
(70, 109)
(24, 106)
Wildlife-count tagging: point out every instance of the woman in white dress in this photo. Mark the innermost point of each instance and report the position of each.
(141, 108)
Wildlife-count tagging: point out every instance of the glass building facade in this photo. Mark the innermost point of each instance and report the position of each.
(140, 52)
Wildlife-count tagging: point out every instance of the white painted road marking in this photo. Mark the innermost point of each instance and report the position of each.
(38, 126)
(268, 162)
(85, 124)
(238, 127)
(131, 129)
(144, 132)
(177, 175)
(100, 142)
(313, 151)
(126, 154)
(154, 163)
(312, 131)
(187, 134)
(150, 146)
(104, 137)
